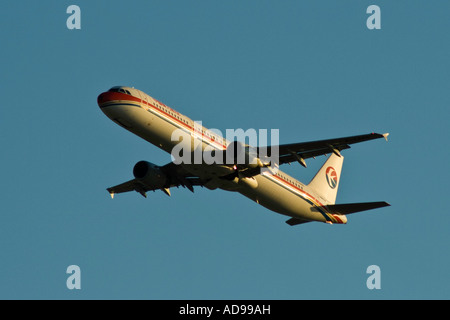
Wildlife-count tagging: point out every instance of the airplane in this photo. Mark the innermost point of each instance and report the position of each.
(155, 122)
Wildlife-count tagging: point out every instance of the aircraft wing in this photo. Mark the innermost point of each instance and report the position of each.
(304, 150)
(131, 185)
(176, 177)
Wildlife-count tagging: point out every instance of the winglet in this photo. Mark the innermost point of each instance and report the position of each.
(385, 135)
(111, 192)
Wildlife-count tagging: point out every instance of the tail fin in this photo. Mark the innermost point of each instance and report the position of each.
(326, 182)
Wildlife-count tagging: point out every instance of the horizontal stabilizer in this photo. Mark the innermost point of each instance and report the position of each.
(354, 207)
(295, 221)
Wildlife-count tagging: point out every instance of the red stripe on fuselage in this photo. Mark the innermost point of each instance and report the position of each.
(307, 195)
(300, 190)
(107, 97)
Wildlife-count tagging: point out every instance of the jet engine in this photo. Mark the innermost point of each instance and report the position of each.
(243, 156)
(150, 175)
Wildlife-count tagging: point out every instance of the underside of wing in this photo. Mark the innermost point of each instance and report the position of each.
(131, 185)
(150, 177)
(300, 151)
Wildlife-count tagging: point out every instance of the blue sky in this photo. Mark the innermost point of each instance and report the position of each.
(311, 69)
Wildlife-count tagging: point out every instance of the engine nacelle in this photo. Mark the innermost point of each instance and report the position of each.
(242, 155)
(249, 182)
(150, 174)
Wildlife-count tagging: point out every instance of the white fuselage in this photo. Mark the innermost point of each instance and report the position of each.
(155, 122)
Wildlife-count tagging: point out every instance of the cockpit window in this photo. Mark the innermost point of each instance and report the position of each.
(119, 89)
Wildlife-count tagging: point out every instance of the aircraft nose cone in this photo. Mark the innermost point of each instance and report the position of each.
(102, 98)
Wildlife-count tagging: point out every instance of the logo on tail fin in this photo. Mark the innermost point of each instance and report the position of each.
(331, 177)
